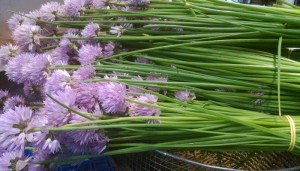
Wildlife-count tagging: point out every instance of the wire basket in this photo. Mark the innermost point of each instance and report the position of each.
(102, 163)
(207, 161)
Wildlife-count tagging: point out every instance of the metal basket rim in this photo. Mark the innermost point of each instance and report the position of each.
(219, 168)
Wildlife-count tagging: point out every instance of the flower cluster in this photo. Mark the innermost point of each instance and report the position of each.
(34, 62)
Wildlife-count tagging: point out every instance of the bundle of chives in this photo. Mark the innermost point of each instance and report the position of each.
(215, 128)
(199, 46)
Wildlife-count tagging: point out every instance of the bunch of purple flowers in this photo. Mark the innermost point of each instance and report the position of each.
(24, 120)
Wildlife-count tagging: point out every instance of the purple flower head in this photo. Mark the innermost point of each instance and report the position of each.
(98, 4)
(33, 69)
(156, 79)
(13, 102)
(7, 52)
(117, 30)
(2, 151)
(13, 161)
(77, 118)
(139, 2)
(3, 97)
(46, 142)
(55, 113)
(71, 33)
(16, 128)
(27, 36)
(109, 49)
(84, 141)
(87, 96)
(32, 18)
(87, 54)
(36, 70)
(95, 142)
(97, 110)
(15, 21)
(135, 90)
(112, 96)
(72, 7)
(50, 10)
(90, 30)
(39, 119)
(13, 68)
(45, 29)
(185, 96)
(141, 110)
(34, 91)
(58, 81)
(66, 41)
(84, 73)
(59, 55)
